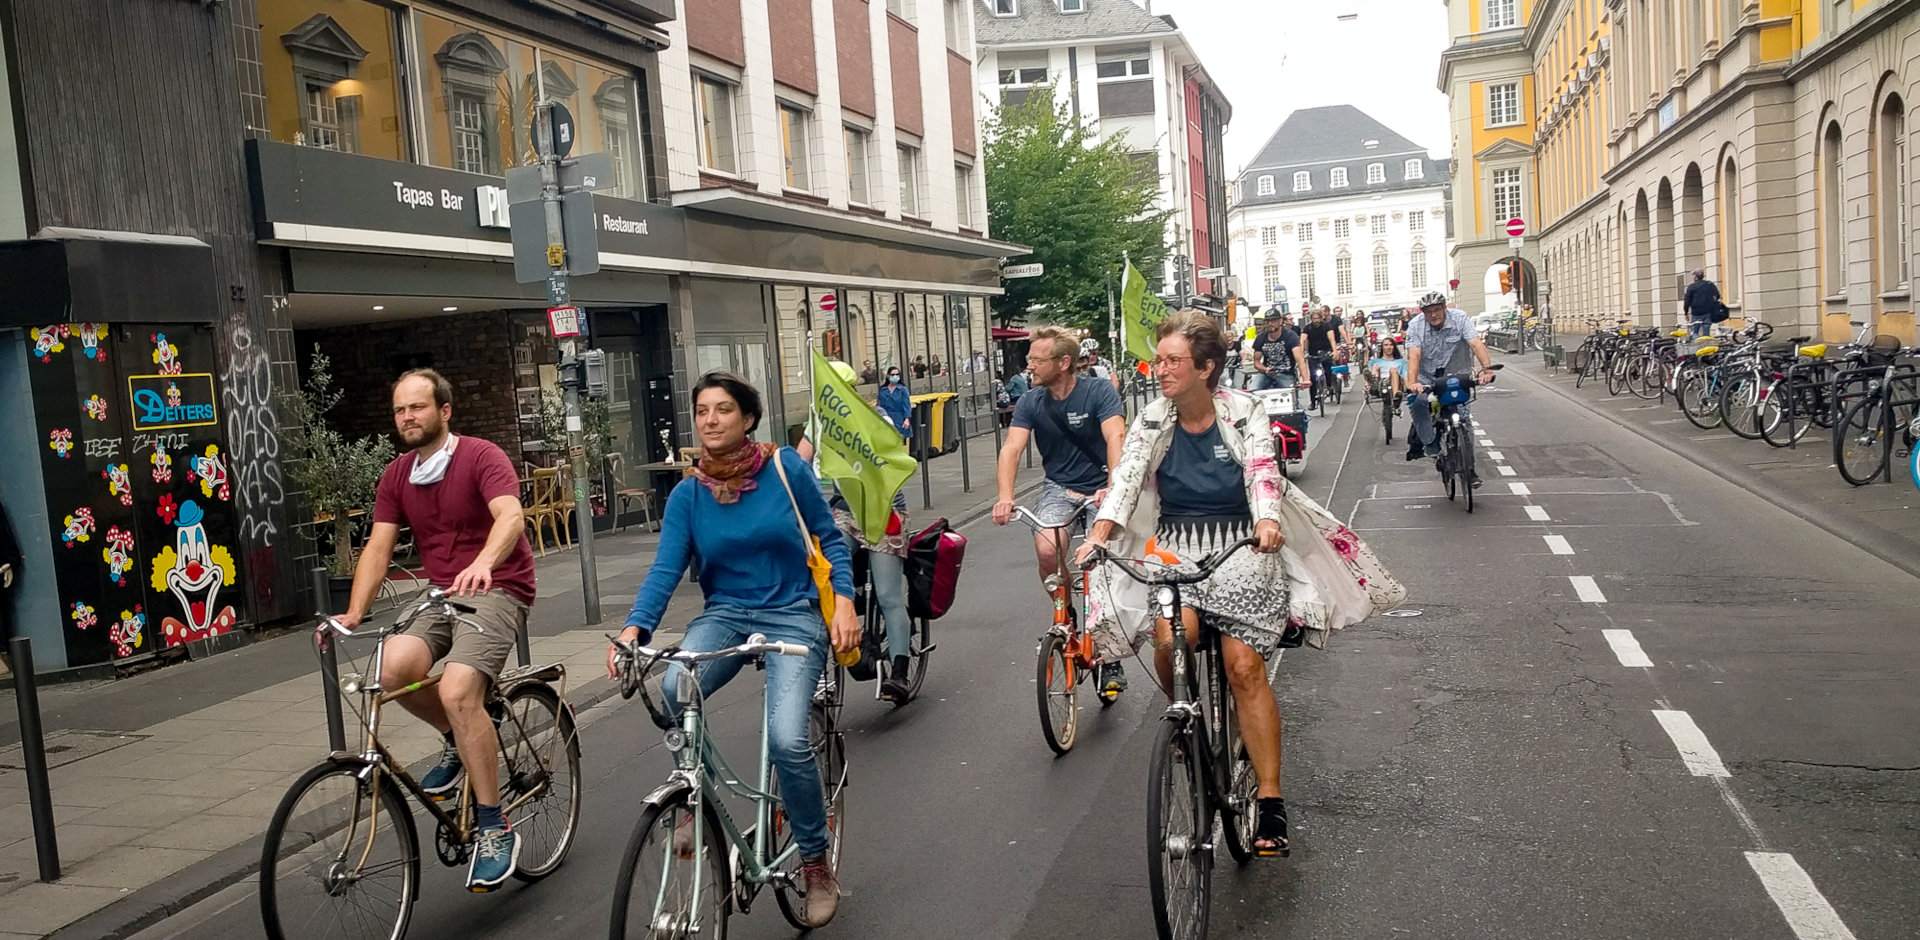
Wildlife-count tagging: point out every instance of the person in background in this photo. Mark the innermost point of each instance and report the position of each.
(1702, 301)
(897, 403)
(1391, 366)
(867, 374)
(919, 367)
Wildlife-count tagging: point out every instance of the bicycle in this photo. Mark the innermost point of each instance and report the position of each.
(1380, 391)
(1199, 768)
(873, 630)
(685, 828)
(1455, 437)
(1066, 651)
(329, 834)
(1863, 435)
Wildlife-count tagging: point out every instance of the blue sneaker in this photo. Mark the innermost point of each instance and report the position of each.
(495, 854)
(443, 780)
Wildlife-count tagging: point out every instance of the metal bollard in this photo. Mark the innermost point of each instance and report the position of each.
(966, 465)
(33, 752)
(329, 666)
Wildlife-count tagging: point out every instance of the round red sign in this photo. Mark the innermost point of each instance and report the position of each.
(1516, 227)
(828, 302)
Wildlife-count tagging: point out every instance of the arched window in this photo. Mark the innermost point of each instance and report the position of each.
(1302, 182)
(1731, 247)
(1265, 186)
(1833, 230)
(1890, 183)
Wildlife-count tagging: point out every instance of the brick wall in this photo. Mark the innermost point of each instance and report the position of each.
(713, 27)
(792, 23)
(853, 42)
(903, 42)
(473, 350)
(960, 92)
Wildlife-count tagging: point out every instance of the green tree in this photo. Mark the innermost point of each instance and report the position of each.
(338, 474)
(1082, 203)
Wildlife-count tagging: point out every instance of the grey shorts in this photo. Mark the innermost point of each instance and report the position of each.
(485, 642)
(1056, 507)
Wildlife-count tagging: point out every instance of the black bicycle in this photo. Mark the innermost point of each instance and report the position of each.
(1455, 436)
(875, 664)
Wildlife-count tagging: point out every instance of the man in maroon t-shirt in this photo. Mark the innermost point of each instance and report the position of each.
(462, 498)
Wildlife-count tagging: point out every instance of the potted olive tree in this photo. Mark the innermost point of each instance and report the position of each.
(339, 475)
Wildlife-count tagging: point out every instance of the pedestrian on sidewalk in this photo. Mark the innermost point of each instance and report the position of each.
(1078, 424)
(896, 402)
(461, 496)
(737, 512)
(1702, 303)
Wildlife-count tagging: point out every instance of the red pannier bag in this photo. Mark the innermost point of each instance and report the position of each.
(933, 569)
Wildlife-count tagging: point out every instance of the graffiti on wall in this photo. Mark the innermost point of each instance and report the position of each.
(253, 437)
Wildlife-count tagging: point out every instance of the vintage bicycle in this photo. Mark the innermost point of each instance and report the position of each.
(1066, 651)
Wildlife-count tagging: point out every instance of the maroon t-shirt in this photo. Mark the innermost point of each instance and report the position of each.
(450, 518)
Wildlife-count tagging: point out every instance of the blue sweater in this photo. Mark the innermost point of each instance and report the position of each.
(897, 404)
(751, 553)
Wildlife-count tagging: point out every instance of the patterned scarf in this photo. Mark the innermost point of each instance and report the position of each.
(730, 474)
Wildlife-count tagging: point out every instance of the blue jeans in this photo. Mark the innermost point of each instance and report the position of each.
(1699, 326)
(1420, 413)
(889, 574)
(1261, 380)
(791, 681)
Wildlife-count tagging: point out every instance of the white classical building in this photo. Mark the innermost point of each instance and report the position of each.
(1340, 210)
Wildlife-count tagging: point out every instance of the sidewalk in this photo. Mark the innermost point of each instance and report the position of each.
(163, 783)
(1881, 518)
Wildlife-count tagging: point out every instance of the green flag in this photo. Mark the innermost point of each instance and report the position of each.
(1140, 312)
(859, 449)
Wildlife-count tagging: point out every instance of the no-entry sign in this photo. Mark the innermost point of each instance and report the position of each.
(1516, 227)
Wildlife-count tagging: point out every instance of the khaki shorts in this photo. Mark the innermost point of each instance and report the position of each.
(484, 642)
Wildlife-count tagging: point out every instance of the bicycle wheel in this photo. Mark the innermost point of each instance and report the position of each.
(1861, 444)
(830, 755)
(1617, 374)
(340, 859)
(1058, 689)
(1740, 404)
(1240, 817)
(1387, 405)
(920, 638)
(1647, 379)
(1179, 823)
(1463, 465)
(1587, 365)
(673, 893)
(540, 763)
(1442, 463)
(1784, 418)
(1699, 400)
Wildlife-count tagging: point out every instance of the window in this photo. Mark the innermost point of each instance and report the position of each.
(963, 194)
(1339, 177)
(1376, 173)
(901, 8)
(1270, 273)
(1123, 65)
(1377, 224)
(1506, 195)
(1416, 222)
(331, 77)
(909, 180)
(1503, 104)
(1342, 228)
(1265, 186)
(1416, 169)
(1306, 232)
(715, 100)
(1306, 280)
(1031, 75)
(323, 118)
(1302, 182)
(1419, 257)
(1342, 276)
(475, 83)
(1380, 269)
(1269, 236)
(602, 103)
(467, 116)
(1732, 236)
(1500, 14)
(1890, 181)
(793, 143)
(859, 145)
(1073, 6)
(1833, 230)
(1006, 8)
(957, 35)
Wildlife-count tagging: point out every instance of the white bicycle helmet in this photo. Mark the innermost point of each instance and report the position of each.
(1089, 348)
(1432, 298)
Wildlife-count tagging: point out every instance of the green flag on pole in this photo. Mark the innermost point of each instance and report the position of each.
(1140, 312)
(858, 448)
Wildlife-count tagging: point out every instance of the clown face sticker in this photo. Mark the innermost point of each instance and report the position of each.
(89, 334)
(165, 355)
(194, 569)
(118, 554)
(211, 470)
(119, 482)
(83, 616)
(173, 394)
(97, 407)
(162, 464)
(130, 632)
(61, 440)
(79, 527)
(48, 340)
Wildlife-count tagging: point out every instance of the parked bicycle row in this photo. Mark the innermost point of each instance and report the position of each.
(1865, 391)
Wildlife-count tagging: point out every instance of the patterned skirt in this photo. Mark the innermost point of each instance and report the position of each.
(1242, 599)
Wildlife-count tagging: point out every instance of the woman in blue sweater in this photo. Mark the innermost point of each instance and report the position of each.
(735, 513)
(897, 403)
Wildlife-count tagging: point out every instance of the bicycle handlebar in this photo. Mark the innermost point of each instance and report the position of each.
(1202, 569)
(1033, 522)
(756, 645)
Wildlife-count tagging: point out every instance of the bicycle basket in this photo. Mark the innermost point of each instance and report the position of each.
(1453, 391)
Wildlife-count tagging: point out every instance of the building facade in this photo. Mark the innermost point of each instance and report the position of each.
(1129, 74)
(1340, 210)
(1765, 143)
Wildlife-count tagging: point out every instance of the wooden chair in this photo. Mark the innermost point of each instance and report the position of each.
(689, 455)
(625, 493)
(545, 509)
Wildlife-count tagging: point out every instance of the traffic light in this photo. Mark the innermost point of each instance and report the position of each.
(1506, 279)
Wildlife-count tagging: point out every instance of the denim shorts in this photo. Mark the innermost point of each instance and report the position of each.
(1056, 507)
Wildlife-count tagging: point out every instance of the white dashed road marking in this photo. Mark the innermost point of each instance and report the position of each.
(1495, 455)
(1558, 544)
(1537, 513)
(1700, 757)
(1627, 649)
(1507, 471)
(1806, 909)
(1588, 591)
(1520, 489)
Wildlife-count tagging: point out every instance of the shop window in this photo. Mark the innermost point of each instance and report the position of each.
(479, 88)
(858, 305)
(859, 149)
(331, 80)
(887, 351)
(715, 100)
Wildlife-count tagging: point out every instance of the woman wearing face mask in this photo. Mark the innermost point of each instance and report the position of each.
(897, 403)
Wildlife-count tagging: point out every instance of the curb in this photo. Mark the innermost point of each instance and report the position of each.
(1884, 546)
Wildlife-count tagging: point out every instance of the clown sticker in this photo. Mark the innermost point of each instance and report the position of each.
(89, 334)
(162, 464)
(119, 482)
(165, 354)
(130, 632)
(97, 407)
(83, 616)
(211, 470)
(61, 440)
(194, 569)
(173, 394)
(48, 340)
(118, 554)
(79, 527)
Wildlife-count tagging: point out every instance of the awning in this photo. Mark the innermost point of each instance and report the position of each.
(68, 275)
(1001, 332)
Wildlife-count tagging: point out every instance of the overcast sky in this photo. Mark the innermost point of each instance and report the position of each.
(1271, 57)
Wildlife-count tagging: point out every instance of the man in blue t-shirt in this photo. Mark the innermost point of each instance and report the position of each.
(1078, 426)
(1440, 342)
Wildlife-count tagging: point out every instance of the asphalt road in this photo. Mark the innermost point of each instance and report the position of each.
(1491, 767)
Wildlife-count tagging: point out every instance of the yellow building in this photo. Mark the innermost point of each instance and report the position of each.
(1762, 141)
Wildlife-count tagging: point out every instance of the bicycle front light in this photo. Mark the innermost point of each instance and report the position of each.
(351, 683)
(675, 739)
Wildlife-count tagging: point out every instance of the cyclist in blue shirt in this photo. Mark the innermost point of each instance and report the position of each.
(1438, 343)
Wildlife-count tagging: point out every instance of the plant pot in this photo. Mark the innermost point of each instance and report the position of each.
(339, 593)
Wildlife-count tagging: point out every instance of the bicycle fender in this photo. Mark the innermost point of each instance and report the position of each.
(664, 792)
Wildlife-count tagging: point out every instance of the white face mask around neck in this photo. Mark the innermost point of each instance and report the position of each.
(432, 469)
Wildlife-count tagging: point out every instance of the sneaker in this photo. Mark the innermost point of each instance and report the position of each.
(1113, 679)
(495, 854)
(821, 889)
(443, 780)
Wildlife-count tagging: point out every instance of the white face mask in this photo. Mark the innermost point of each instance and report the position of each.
(432, 469)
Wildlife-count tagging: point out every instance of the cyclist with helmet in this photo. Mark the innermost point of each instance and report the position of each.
(1094, 366)
(1439, 342)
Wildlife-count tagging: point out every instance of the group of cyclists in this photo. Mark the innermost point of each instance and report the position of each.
(1195, 472)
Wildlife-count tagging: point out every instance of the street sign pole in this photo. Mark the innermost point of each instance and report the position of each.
(557, 296)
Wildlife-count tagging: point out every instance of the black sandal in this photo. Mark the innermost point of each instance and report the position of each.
(1271, 837)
